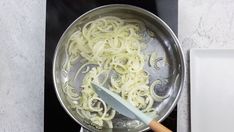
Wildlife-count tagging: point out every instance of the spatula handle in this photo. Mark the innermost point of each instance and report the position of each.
(158, 127)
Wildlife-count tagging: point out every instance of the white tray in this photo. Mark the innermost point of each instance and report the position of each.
(212, 90)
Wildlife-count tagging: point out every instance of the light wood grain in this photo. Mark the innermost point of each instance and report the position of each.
(158, 127)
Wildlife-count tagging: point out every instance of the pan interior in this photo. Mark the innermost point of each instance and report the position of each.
(162, 42)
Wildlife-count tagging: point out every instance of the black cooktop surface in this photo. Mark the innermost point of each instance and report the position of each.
(59, 15)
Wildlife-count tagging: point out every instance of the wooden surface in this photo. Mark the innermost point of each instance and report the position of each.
(158, 127)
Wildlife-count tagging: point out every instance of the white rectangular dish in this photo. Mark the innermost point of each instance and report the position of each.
(212, 90)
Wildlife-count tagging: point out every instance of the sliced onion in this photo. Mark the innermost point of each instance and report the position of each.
(154, 94)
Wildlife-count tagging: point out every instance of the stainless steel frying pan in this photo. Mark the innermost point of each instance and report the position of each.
(165, 43)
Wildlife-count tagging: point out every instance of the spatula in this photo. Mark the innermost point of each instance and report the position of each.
(127, 109)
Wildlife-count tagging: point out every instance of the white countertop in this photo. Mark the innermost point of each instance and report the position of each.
(202, 24)
(22, 47)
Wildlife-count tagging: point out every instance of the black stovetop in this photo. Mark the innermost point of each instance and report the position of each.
(59, 15)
